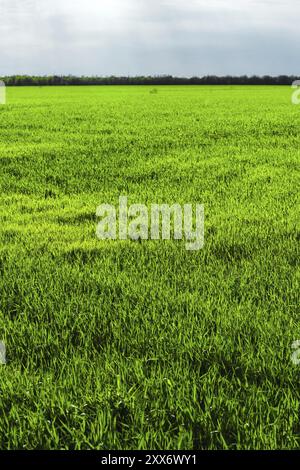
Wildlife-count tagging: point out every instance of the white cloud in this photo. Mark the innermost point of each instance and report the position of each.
(143, 36)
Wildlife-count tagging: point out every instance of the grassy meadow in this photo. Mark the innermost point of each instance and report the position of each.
(144, 345)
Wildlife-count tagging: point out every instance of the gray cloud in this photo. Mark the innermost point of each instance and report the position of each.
(143, 37)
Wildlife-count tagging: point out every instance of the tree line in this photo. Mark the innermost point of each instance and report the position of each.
(62, 80)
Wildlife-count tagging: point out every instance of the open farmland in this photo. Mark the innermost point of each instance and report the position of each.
(144, 345)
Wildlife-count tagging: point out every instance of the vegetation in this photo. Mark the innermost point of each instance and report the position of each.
(122, 344)
(25, 80)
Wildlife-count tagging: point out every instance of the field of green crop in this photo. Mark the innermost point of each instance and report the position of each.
(144, 345)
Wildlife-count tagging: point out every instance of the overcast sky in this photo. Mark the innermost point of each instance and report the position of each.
(141, 37)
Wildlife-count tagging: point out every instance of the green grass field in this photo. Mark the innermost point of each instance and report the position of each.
(128, 345)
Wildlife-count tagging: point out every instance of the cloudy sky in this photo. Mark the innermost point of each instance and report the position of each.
(137, 37)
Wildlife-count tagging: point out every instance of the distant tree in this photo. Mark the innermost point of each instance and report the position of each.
(55, 80)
